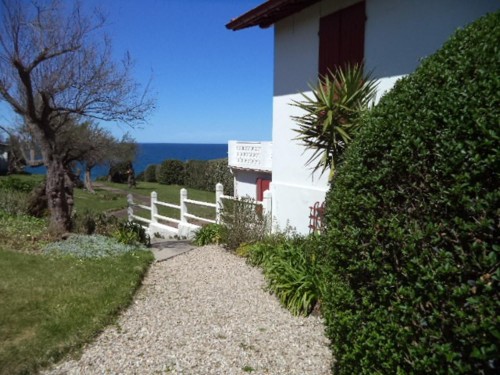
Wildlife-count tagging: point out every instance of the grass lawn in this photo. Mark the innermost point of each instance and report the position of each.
(101, 201)
(52, 305)
(108, 201)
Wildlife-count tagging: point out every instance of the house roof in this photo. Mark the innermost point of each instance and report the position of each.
(268, 13)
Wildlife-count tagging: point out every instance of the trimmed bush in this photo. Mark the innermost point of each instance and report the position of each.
(150, 173)
(171, 172)
(196, 175)
(413, 221)
(218, 171)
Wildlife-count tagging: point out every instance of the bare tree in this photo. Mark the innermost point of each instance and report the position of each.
(22, 148)
(55, 66)
(102, 148)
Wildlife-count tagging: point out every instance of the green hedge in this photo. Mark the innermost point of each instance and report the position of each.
(413, 221)
(171, 172)
(218, 171)
(196, 174)
(150, 173)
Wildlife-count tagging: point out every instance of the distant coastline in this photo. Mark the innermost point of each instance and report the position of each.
(155, 153)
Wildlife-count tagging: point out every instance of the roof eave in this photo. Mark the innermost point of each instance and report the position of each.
(269, 13)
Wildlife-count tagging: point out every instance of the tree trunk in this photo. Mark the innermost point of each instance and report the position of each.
(88, 180)
(59, 188)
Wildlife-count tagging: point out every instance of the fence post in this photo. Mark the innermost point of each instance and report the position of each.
(267, 202)
(219, 192)
(154, 208)
(184, 195)
(130, 208)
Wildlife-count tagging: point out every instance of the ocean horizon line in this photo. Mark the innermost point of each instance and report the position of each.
(157, 152)
(183, 143)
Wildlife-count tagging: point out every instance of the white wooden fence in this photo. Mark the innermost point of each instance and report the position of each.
(182, 227)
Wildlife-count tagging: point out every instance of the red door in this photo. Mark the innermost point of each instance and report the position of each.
(262, 186)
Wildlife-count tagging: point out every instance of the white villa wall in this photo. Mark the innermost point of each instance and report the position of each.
(397, 35)
(245, 182)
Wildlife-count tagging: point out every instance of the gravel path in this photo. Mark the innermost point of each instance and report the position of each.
(205, 312)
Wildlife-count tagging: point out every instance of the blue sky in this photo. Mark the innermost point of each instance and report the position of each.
(211, 84)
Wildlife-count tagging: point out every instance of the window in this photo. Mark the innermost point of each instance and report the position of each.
(342, 38)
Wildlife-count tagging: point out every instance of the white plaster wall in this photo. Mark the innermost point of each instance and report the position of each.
(397, 35)
(245, 182)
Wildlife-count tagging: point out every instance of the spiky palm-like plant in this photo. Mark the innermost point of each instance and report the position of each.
(332, 114)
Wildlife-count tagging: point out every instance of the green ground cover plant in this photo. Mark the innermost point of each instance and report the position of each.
(52, 305)
(22, 232)
(209, 234)
(413, 221)
(291, 267)
(15, 193)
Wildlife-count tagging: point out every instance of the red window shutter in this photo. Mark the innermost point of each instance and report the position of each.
(353, 34)
(342, 38)
(329, 42)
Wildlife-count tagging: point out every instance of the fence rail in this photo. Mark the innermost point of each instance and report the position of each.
(170, 205)
(182, 227)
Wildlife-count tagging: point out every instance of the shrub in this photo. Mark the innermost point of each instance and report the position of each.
(219, 172)
(171, 172)
(131, 233)
(140, 176)
(150, 173)
(13, 202)
(242, 222)
(91, 222)
(196, 175)
(118, 172)
(18, 197)
(208, 234)
(16, 184)
(413, 221)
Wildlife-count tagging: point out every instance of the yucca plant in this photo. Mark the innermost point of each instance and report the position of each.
(332, 114)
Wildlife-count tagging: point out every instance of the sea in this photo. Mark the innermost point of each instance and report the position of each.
(155, 153)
